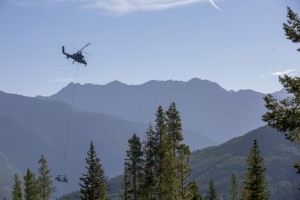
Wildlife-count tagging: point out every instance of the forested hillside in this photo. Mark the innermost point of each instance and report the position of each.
(221, 161)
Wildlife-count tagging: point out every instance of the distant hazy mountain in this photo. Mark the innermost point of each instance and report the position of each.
(205, 107)
(221, 161)
(7, 171)
(30, 127)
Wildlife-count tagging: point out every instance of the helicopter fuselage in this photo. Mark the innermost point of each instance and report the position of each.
(77, 57)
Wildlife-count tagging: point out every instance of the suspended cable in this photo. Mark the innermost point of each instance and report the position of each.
(63, 178)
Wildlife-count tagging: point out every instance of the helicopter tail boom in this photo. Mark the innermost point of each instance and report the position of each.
(63, 51)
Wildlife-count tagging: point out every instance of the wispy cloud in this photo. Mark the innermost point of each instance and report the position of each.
(126, 6)
(121, 6)
(283, 72)
(214, 4)
(288, 71)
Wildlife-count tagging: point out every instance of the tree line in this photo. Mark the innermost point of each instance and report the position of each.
(40, 188)
(154, 169)
(158, 167)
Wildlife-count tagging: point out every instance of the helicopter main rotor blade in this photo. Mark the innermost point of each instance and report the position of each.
(85, 46)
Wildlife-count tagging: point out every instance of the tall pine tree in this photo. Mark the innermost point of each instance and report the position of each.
(180, 158)
(211, 193)
(284, 115)
(30, 186)
(183, 168)
(127, 187)
(234, 187)
(193, 192)
(134, 165)
(161, 155)
(149, 151)
(44, 182)
(16, 193)
(93, 182)
(254, 180)
(174, 127)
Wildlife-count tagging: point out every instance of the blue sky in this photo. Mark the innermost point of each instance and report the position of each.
(239, 44)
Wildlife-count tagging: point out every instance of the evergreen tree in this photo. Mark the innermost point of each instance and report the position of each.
(174, 128)
(161, 150)
(16, 193)
(183, 168)
(284, 115)
(134, 164)
(211, 193)
(292, 27)
(160, 127)
(254, 180)
(126, 184)
(30, 189)
(234, 187)
(193, 192)
(168, 184)
(44, 182)
(93, 182)
(149, 150)
(178, 164)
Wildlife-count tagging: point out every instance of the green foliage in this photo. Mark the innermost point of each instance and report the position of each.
(16, 193)
(31, 188)
(174, 128)
(93, 182)
(254, 181)
(193, 192)
(292, 27)
(284, 115)
(234, 187)
(126, 184)
(44, 182)
(211, 193)
(183, 168)
(160, 170)
(162, 155)
(134, 166)
(149, 181)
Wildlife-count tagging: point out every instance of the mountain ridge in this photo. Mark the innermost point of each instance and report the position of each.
(202, 104)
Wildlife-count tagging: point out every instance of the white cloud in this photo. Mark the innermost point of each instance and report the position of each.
(214, 4)
(121, 6)
(126, 6)
(283, 72)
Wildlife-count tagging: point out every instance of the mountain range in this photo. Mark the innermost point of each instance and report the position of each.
(205, 107)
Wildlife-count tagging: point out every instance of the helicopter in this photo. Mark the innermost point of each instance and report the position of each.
(77, 57)
(62, 178)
